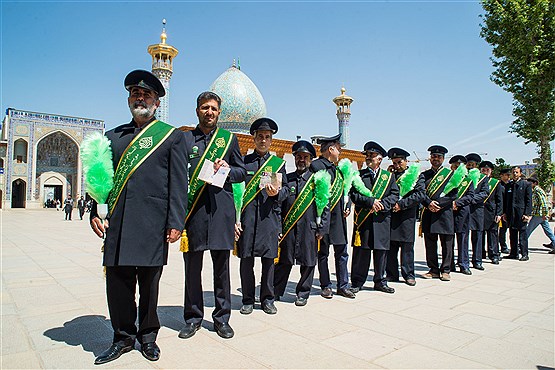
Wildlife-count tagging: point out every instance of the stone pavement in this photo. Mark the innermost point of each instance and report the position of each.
(54, 313)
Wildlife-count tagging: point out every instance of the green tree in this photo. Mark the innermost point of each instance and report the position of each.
(500, 164)
(522, 34)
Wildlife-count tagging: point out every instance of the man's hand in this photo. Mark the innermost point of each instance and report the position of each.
(378, 206)
(497, 219)
(455, 206)
(271, 190)
(99, 228)
(172, 235)
(396, 207)
(219, 163)
(346, 212)
(238, 230)
(504, 217)
(526, 218)
(318, 236)
(434, 206)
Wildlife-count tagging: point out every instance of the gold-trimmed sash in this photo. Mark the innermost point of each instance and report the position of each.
(272, 164)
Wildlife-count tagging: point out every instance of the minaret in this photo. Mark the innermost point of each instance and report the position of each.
(162, 66)
(343, 103)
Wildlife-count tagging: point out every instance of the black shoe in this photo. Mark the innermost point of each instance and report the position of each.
(355, 289)
(246, 309)
(150, 351)
(188, 330)
(269, 308)
(524, 258)
(112, 353)
(549, 245)
(551, 251)
(300, 301)
(277, 298)
(327, 293)
(505, 250)
(511, 257)
(466, 271)
(410, 282)
(224, 330)
(384, 288)
(478, 266)
(346, 293)
(495, 261)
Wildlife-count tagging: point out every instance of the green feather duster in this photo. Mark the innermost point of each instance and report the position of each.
(346, 168)
(96, 155)
(408, 179)
(322, 187)
(238, 192)
(474, 174)
(455, 180)
(359, 185)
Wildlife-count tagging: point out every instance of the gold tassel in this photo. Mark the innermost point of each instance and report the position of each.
(235, 251)
(357, 242)
(184, 245)
(500, 223)
(319, 245)
(104, 271)
(276, 260)
(420, 229)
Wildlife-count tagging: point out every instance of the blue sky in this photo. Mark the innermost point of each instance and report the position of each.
(418, 71)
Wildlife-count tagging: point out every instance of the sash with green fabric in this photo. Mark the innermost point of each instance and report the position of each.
(465, 184)
(138, 150)
(437, 181)
(492, 185)
(272, 164)
(299, 207)
(336, 189)
(217, 148)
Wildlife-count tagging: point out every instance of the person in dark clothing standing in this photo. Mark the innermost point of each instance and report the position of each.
(81, 206)
(505, 179)
(68, 207)
(493, 210)
(461, 214)
(260, 217)
(300, 230)
(476, 225)
(518, 213)
(146, 212)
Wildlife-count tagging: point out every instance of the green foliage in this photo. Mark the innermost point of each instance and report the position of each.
(408, 179)
(522, 34)
(500, 164)
(546, 174)
(96, 155)
(322, 187)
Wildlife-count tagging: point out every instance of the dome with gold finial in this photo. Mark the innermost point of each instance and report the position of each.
(242, 102)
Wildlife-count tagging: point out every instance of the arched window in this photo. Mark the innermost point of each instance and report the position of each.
(20, 151)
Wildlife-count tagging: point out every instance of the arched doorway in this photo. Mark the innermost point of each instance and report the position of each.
(18, 193)
(58, 154)
(20, 151)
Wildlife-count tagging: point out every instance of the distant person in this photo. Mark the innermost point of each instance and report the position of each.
(518, 214)
(505, 178)
(58, 204)
(493, 209)
(68, 207)
(540, 212)
(461, 216)
(81, 206)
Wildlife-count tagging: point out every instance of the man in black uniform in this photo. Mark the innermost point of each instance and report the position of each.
(403, 220)
(493, 210)
(148, 213)
(518, 213)
(461, 215)
(260, 217)
(300, 231)
(372, 223)
(505, 178)
(481, 191)
(81, 206)
(334, 231)
(210, 222)
(437, 216)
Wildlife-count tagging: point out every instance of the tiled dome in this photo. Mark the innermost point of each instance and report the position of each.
(242, 103)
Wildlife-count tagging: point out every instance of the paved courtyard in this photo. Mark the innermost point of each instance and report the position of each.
(54, 313)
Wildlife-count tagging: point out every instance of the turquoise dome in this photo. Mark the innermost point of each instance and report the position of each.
(242, 102)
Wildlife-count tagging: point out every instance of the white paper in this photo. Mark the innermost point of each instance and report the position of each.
(220, 176)
(207, 174)
(272, 178)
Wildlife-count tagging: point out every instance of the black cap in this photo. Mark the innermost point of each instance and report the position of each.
(457, 158)
(264, 124)
(505, 171)
(533, 178)
(372, 146)
(303, 146)
(331, 139)
(438, 149)
(144, 79)
(473, 157)
(397, 153)
(487, 164)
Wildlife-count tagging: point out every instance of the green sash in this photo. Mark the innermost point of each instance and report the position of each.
(272, 164)
(379, 188)
(336, 189)
(437, 181)
(492, 185)
(138, 150)
(465, 184)
(217, 148)
(299, 207)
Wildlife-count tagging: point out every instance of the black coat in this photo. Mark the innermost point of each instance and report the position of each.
(261, 219)
(403, 222)
(440, 222)
(152, 201)
(462, 214)
(375, 231)
(493, 207)
(299, 245)
(211, 225)
(335, 229)
(519, 203)
(477, 207)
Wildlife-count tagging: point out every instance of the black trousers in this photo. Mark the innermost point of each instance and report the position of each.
(430, 242)
(360, 264)
(519, 242)
(503, 235)
(193, 308)
(248, 283)
(477, 246)
(121, 284)
(407, 260)
(492, 242)
(341, 256)
(462, 251)
(282, 277)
